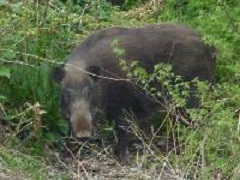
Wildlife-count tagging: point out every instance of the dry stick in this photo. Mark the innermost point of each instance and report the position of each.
(238, 128)
(81, 16)
(154, 134)
(133, 81)
(192, 159)
(76, 160)
(160, 127)
(55, 7)
(16, 62)
(60, 63)
(61, 162)
(202, 154)
(229, 17)
(168, 164)
(162, 169)
(2, 110)
(68, 64)
(138, 133)
(45, 12)
(98, 76)
(87, 72)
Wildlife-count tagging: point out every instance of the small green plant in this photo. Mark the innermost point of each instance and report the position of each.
(29, 46)
(15, 164)
(213, 125)
(205, 148)
(6, 74)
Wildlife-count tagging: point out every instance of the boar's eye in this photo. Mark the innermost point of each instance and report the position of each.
(65, 101)
(66, 97)
(87, 92)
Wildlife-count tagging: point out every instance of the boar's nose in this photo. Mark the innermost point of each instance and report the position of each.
(81, 125)
(83, 134)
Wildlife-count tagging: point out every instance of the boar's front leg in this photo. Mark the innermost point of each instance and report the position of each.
(124, 136)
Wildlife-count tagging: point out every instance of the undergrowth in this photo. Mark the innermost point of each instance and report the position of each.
(36, 35)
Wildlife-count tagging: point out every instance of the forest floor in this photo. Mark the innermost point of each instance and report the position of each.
(97, 162)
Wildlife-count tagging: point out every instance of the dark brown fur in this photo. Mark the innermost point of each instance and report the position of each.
(177, 45)
(116, 2)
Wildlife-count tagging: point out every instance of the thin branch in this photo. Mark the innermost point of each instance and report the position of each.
(16, 62)
(234, 27)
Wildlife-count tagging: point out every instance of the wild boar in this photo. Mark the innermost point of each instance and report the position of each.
(86, 89)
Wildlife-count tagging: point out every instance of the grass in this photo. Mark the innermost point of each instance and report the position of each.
(19, 165)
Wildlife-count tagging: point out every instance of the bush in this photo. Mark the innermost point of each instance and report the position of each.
(30, 43)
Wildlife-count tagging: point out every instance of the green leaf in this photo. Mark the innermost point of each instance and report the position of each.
(134, 64)
(16, 7)
(5, 72)
(129, 75)
(122, 63)
(10, 55)
(3, 98)
(10, 117)
(3, 2)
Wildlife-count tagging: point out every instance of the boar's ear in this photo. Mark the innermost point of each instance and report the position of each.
(58, 74)
(95, 70)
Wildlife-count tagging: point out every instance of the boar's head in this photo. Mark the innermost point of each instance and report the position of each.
(77, 96)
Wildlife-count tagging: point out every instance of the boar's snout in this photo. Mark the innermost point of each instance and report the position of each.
(81, 120)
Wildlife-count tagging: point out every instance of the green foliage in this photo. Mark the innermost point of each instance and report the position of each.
(128, 4)
(5, 72)
(116, 48)
(214, 132)
(30, 42)
(33, 38)
(98, 9)
(96, 6)
(33, 167)
(217, 134)
(168, 84)
(217, 21)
